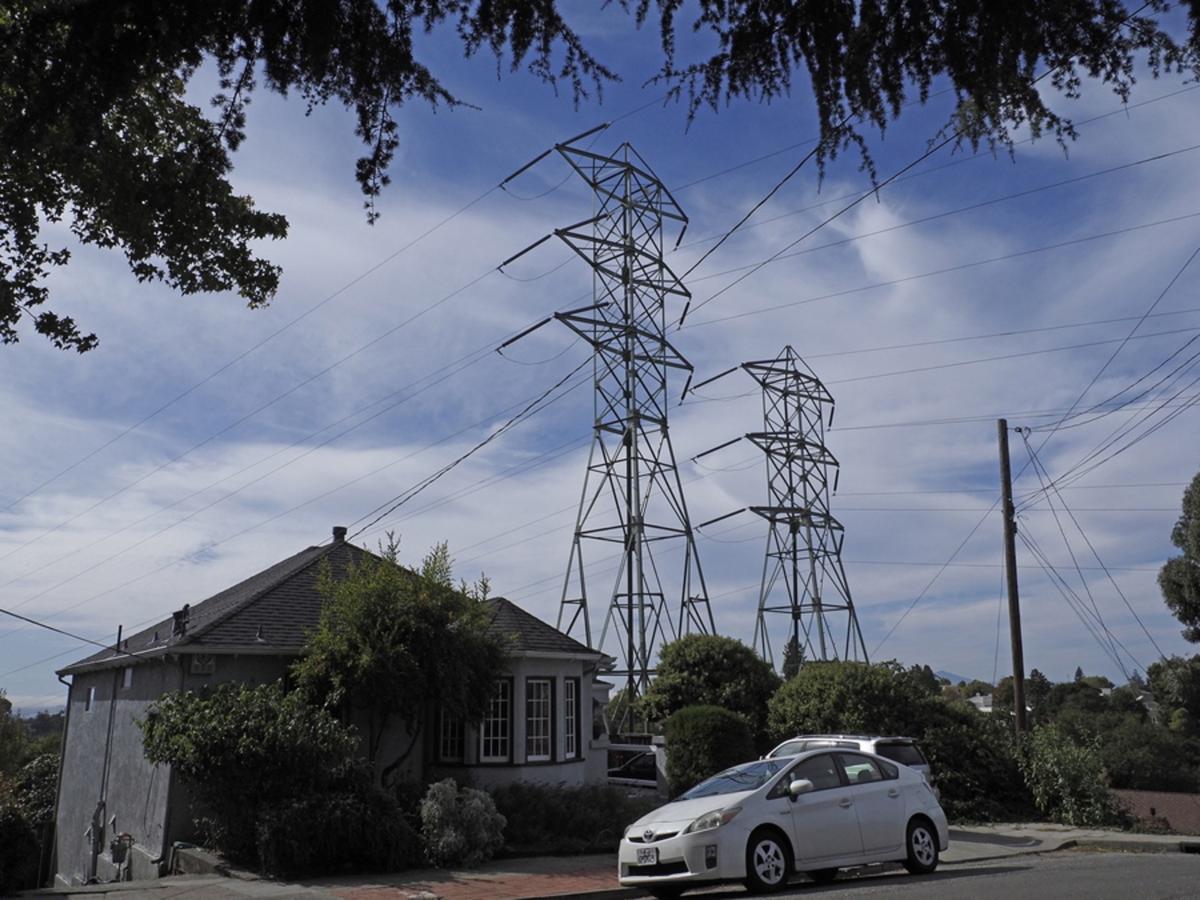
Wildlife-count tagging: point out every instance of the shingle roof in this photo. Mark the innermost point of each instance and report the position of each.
(275, 610)
(283, 600)
(523, 632)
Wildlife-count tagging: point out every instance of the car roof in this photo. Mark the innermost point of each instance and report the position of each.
(849, 737)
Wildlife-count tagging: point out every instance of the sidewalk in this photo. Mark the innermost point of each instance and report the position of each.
(593, 877)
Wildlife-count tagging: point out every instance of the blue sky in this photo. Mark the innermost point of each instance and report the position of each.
(149, 523)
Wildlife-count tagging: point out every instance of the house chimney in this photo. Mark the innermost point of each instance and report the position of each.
(339, 533)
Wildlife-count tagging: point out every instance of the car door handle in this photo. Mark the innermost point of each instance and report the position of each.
(893, 793)
(846, 804)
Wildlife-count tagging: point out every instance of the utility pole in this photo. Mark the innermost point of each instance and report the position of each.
(1010, 577)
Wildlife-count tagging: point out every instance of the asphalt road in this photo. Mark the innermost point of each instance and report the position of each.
(1060, 876)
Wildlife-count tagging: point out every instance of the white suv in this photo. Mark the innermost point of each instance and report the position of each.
(903, 750)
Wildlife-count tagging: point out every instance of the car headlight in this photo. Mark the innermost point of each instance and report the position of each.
(714, 819)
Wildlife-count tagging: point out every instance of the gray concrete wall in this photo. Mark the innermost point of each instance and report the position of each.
(137, 792)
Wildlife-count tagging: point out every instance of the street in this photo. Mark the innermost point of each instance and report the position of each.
(1059, 876)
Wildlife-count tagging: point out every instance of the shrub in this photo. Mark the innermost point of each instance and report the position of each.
(246, 750)
(1066, 779)
(849, 697)
(18, 846)
(711, 670)
(704, 740)
(975, 764)
(460, 826)
(363, 829)
(564, 820)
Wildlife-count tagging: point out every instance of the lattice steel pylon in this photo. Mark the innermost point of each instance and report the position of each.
(803, 576)
(632, 493)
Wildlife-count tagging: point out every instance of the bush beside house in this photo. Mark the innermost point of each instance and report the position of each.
(460, 825)
(542, 819)
(702, 741)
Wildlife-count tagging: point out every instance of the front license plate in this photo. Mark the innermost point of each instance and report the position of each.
(647, 856)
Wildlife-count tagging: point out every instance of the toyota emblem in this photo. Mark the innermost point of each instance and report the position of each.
(648, 835)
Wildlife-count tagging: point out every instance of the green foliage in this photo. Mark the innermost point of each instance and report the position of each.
(1037, 693)
(37, 787)
(18, 845)
(543, 820)
(246, 750)
(974, 760)
(704, 740)
(793, 658)
(115, 78)
(13, 740)
(707, 669)
(971, 754)
(848, 697)
(392, 644)
(1175, 683)
(460, 826)
(1179, 578)
(1066, 779)
(97, 125)
(362, 828)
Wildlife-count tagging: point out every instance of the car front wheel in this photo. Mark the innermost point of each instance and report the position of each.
(768, 862)
(922, 848)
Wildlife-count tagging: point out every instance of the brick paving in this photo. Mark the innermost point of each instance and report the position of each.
(508, 880)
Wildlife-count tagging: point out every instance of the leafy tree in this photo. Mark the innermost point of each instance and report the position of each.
(848, 697)
(1066, 779)
(243, 750)
(793, 658)
(1002, 695)
(1175, 684)
(1037, 692)
(1179, 578)
(711, 670)
(392, 643)
(702, 741)
(13, 741)
(97, 126)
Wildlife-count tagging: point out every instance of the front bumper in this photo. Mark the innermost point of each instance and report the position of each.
(684, 859)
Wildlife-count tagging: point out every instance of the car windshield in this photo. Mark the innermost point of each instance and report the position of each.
(746, 777)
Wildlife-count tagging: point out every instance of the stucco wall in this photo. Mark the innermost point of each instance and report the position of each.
(140, 795)
(137, 792)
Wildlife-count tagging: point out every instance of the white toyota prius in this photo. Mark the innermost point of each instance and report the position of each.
(762, 821)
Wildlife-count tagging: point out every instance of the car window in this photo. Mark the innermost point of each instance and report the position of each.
(890, 772)
(745, 777)
(906, 754)
(859, 769)
(821, 770)
(791, 748)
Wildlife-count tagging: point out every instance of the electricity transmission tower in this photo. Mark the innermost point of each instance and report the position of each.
(803, 577)
(632, 494)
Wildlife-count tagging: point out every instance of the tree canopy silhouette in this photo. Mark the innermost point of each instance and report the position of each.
(98, 130)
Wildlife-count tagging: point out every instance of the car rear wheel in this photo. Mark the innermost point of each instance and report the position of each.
(822, 876)
(768, 862)
(922, 848)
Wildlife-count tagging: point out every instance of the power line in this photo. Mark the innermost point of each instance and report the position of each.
(931, 170)
(943, 271)
(224, 367)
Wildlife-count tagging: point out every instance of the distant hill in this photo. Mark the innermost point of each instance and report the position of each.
(952, 677)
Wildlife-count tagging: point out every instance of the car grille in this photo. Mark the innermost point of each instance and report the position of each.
(661, 836)
(672, 868)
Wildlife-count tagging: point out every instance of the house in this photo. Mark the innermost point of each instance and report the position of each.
(538, 726)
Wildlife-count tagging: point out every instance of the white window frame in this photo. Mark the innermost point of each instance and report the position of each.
(539, 719)
(127, 678)
(495, 731)
(571, 718)
(451, 739)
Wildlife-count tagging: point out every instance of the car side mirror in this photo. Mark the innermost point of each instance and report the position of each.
(798, 787)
